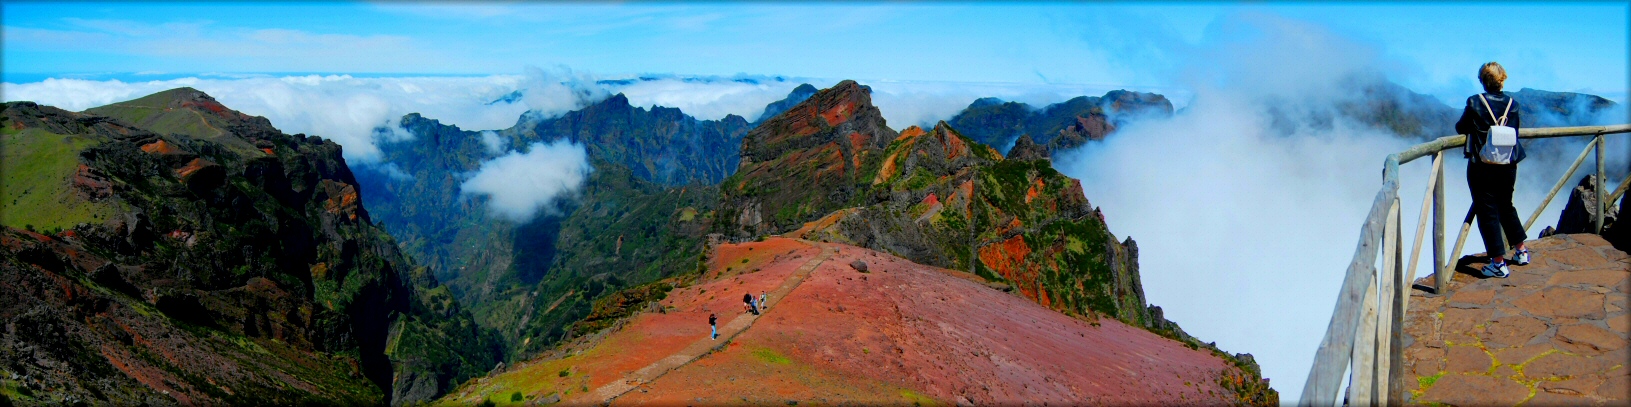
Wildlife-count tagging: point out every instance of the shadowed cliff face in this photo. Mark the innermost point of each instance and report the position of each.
(230, 264)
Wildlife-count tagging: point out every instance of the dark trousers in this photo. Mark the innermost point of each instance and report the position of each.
(1491, 187)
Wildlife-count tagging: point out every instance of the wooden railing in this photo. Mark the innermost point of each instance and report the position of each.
(1364, 335)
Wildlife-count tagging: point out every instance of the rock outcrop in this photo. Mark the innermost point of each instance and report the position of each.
(805, 163)
(1580, 213)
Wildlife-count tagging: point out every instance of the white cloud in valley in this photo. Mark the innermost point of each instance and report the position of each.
(519, 185)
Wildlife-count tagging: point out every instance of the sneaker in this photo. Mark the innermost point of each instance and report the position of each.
(1495, 270)
(1522, 258)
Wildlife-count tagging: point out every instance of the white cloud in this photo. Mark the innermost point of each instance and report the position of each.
(491, 140)
(518, 185)
(710, 98)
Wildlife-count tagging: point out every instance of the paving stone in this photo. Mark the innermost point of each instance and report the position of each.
(1548, 399)
(1517, 355)
(1580, 257)
(1480, 390)
(1563, 319)
(1466, 359)
(1512, 331)
(1588, 339)
(1607, 278)
(1563, 302)
(1463, 320)
(1472, 297)
(1561, 364)
(1616, 388)
(1574, 386)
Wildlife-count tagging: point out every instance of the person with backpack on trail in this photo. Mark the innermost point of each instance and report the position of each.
(747, 301)
(761, 301)
(713, 325)
(1490, 121)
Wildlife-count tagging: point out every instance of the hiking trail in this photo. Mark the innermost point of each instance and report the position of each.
(702, 347)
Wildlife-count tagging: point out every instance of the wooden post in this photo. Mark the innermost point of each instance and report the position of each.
(1601, 185)
(1421, 222)
(1455, 253)
(1392, 386)
(1386, 291)
(1363, 386)
(1441, 281)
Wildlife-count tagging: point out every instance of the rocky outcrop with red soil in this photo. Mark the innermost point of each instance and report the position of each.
(814, 158)
(230, 276)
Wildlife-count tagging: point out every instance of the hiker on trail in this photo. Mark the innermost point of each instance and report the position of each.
(761, 301)
(713, 324)
(747, 300)
(1490, 121)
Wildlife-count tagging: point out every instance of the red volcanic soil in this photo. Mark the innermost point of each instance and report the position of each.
(900, 333)
(924, 330)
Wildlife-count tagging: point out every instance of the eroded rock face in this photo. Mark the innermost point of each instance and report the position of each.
(810, 160)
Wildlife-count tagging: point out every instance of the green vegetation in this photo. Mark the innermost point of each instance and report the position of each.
(769, 355)
(37, 190)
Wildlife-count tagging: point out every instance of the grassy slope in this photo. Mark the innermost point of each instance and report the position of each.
(34, 182)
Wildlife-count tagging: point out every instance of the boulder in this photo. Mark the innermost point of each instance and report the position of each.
(1579, 215)
(858, 265)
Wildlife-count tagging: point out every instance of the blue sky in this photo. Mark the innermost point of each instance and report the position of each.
(1429, 47)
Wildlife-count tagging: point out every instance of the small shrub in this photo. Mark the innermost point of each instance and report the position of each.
(515, 397)
(566, 372)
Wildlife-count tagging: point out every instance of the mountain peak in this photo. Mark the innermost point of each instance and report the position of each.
(985, 101)
(798, 95)
(192, 113)
(835, 134)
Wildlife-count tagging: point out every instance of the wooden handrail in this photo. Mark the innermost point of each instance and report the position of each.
(1363, 338)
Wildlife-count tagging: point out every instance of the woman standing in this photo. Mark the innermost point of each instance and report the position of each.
(1492, 168)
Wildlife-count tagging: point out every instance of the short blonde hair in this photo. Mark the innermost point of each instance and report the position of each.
(1493, 76)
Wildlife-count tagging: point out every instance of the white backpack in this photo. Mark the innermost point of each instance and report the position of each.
(1500, 142)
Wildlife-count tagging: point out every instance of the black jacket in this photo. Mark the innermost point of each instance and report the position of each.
(1475, 122)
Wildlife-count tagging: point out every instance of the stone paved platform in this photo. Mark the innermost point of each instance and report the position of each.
(1554, 333)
